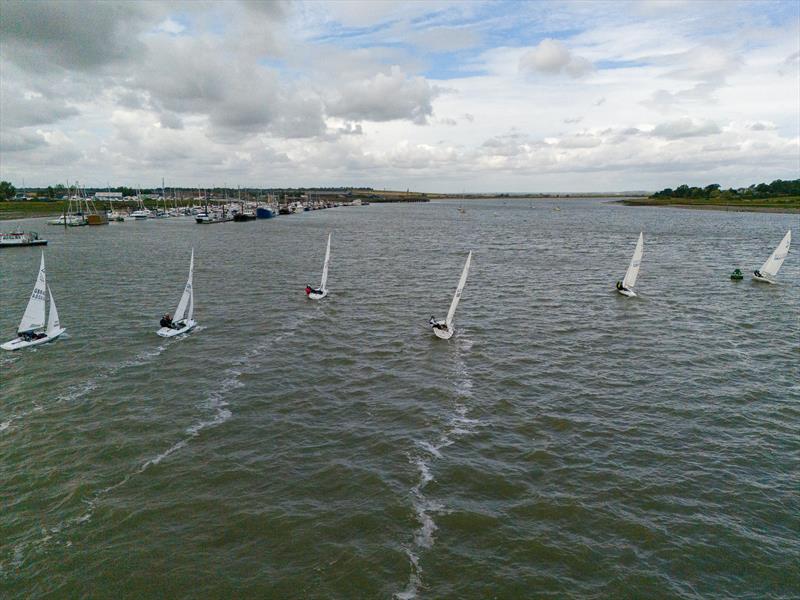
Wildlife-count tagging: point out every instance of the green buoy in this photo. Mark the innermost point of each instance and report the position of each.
(736, 275)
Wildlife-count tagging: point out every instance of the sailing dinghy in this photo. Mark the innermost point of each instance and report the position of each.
(444, 329)
(182, 322)
(770, 268)
(625, 287)
(322, 290)
(32, 330)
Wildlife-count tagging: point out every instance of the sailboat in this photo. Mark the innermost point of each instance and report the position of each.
(625, 287)
(444, 329)
(182, 322)
(322, 290)
(32, 330)
(773, 264)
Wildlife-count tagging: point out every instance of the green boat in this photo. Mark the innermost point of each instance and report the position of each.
(737, 275)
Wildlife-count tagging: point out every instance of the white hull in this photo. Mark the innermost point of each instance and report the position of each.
(764, 279)
(444, 334)
(19, 343)
(168, 332)
(314, 296)
(628, 293)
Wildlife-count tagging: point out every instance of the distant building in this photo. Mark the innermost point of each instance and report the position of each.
(108, 195)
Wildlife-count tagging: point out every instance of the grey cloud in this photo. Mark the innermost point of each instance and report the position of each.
(584, 140)
(274, 9)
(684, 128)
(299, 117)
(19, 140)
(19, 111)
(573, 120)
(511, 144)
(42, 35)
(552, 57)
(790, 65)
(700, 92)
(170, 120)
(239, 97)
(761, 126)
(384, 97)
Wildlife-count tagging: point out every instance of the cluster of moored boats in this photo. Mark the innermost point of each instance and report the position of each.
(81, 210)
(35, 329)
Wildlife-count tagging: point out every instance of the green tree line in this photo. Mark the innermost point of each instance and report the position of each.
(778, 187)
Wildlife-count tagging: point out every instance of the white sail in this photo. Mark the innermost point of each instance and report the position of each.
(451, 313)
(187, 299)
(53, 323)
(775, 260)
(633, 269)
(325, 265)
(34, 313)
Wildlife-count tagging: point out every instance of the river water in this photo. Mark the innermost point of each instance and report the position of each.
(567, 442)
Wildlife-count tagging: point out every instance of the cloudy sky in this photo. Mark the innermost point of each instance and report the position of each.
(436, 96)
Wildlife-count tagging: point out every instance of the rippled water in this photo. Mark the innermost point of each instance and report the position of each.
(566, 442)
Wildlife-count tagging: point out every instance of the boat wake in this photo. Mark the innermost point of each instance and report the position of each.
(216, 406)
(424, 458)
(80, 390)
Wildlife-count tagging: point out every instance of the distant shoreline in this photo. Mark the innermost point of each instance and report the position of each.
(709, 206)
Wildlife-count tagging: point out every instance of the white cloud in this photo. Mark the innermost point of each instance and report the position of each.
(384, 97)
(552, 57)
(170, 26)
(683, 128)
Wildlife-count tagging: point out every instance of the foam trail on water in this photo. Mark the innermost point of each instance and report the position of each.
(216, 401)
(459, 424)
(79, 390)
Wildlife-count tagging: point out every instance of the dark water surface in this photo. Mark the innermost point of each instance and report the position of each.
(566, 442)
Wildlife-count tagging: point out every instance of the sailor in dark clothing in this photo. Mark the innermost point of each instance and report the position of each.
(166, 321)
(437, 324)
(757, 273)
(621, 287)
(310, 290)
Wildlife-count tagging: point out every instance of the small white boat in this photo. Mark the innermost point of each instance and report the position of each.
(73, 220)
(141, 214)
(773, 264)
(625, 287)
(322, 290)
(21, 238)
(182, 322)
(444, 329)
(32, 330)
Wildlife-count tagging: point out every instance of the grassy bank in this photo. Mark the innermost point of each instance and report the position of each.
(789, 204)
(28, 209)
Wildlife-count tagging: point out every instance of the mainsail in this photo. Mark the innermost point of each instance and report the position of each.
(34, 313)
(451, 313)
(776, 259)
(186, 305)
(325, 265)
(53, 323)
(633, 269)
